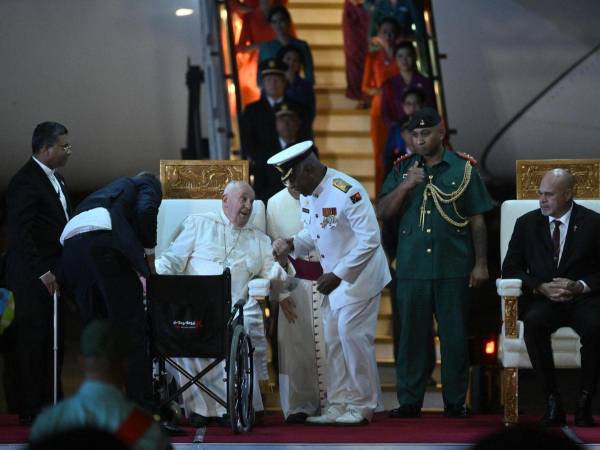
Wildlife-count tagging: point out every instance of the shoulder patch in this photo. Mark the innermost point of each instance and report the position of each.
(467, 157)
(341, 185)
(356, 197)
(402, 158)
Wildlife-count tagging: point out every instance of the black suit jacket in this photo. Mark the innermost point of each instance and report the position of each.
(530, 251)
(132, 203)
(260, 141)
(35, 220)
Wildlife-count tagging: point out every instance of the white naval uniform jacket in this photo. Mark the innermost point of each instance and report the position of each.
(340, 222)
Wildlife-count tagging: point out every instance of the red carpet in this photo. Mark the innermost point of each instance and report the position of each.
(11, 432)
(431, 428)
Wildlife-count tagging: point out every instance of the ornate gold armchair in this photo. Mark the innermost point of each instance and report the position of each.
(512, 352)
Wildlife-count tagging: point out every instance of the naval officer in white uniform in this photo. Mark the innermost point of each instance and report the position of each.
(339, 221)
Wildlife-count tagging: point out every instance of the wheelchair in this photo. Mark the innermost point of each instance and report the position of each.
(191, 317)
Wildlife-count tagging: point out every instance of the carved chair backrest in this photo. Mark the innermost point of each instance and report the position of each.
(200, 179)
(586, 173)
(203, 182)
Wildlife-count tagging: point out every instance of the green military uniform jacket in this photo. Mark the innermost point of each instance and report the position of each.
(437, 249)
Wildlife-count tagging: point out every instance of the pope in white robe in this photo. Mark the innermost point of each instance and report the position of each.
(207, 243)
(302, 362)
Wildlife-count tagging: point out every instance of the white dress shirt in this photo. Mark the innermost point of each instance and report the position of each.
(564, 220)
(55, 184)
(564, 228)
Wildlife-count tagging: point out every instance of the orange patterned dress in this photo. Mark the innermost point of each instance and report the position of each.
(378, 68)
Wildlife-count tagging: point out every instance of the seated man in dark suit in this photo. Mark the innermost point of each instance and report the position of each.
(108, 244)
(555, 251)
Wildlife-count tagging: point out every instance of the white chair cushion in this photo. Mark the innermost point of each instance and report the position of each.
(172, 213)
(508, 283)
(512, 352)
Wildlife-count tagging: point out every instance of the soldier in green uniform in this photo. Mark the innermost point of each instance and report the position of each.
(439, 200)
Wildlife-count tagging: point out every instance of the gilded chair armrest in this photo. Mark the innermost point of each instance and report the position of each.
(510, 291)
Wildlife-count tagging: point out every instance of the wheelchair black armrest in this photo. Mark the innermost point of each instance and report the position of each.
(240, 304)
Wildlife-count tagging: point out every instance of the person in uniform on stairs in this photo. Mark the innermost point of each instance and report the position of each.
(340, 223)
(302, 366)
(439, 200)
(258, 130)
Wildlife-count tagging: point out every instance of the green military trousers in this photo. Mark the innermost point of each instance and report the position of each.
(417, 301)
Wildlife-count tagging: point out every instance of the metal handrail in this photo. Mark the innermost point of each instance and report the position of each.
(233, 75)
(434, 57)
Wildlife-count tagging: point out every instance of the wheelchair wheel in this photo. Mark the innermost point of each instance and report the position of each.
(240, 379)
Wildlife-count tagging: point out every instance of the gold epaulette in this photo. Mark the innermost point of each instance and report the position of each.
(341, 185)
(467, 157)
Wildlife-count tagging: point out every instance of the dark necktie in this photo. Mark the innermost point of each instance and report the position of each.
(556, 240)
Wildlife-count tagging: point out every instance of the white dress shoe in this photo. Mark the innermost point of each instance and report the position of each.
(329, 418)
(351, 417)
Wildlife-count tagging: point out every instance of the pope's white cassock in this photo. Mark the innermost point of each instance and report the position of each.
(206, 244)
(302, 364)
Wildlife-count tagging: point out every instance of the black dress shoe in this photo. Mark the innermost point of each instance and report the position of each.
(296, 418)
(26, 419)
(171, 430)
(583, 410)
(224, 421)
(405, 411)
(555, 414)
(198, 421)
(457, 411)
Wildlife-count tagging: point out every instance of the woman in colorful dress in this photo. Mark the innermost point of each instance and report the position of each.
(380, 66)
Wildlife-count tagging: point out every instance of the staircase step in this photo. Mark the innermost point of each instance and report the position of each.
(384, 348)
(385, 306)
(331, 75)
(335, 100)
(322, 4)
(345, 112)
(352, 166)
(343, 123)
(344, 143)
(320, 34)
(310, 13)
(317, 2)
(384, 326)
(328, 55)
(387, 371)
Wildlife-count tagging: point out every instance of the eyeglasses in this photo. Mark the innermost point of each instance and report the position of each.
(67, 147)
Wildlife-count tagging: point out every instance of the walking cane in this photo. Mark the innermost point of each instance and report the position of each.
(55, 346)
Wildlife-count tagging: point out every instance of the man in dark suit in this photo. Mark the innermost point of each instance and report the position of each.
(555, 251)
(108, 245)
(38, 208)
(258, 129)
